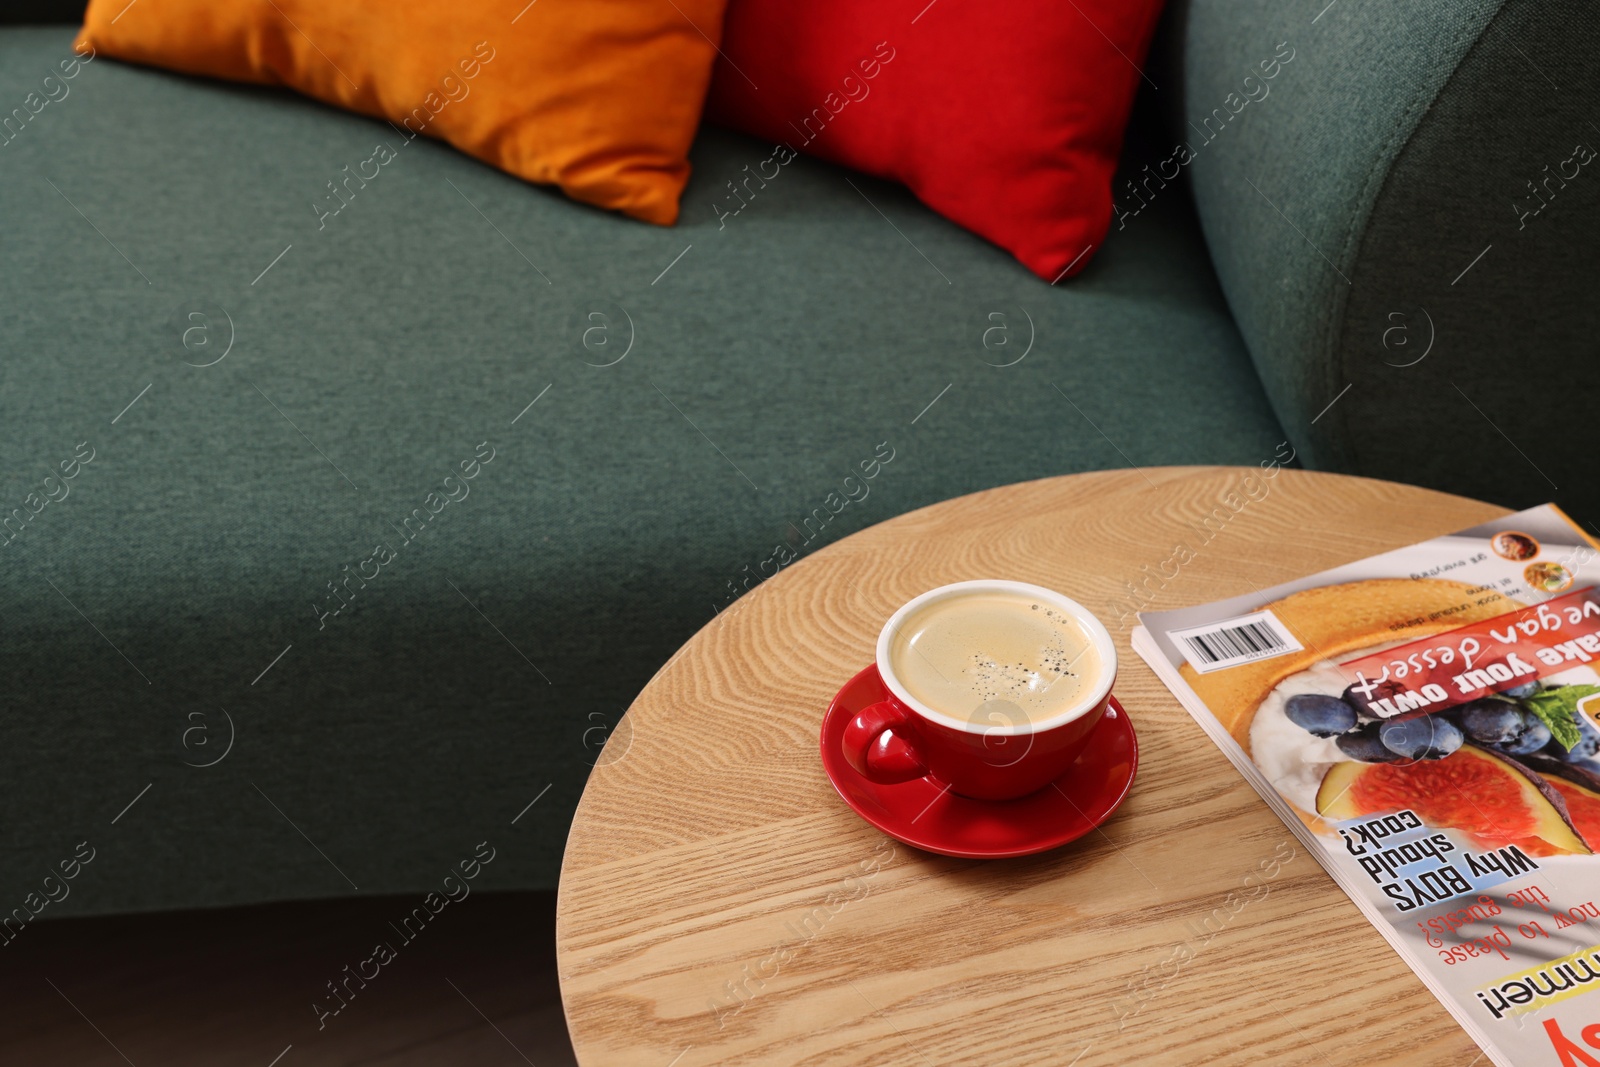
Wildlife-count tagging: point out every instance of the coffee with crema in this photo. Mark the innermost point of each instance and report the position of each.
(963, 653)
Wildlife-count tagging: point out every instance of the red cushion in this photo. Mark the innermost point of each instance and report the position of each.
(1005, 116)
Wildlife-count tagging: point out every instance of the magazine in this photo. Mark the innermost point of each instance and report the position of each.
(1427, 722)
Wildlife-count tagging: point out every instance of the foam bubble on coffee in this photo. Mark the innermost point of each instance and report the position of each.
(991, 648)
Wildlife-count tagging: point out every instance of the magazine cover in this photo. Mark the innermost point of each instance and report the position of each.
(1427, 721)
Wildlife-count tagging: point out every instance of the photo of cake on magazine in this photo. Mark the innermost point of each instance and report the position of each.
(1427, 722)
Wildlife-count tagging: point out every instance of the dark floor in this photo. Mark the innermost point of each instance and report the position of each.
(238, 987)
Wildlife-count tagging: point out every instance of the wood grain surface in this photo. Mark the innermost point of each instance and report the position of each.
(720, 904)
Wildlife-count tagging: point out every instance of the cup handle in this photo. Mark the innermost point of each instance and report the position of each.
(877, 744)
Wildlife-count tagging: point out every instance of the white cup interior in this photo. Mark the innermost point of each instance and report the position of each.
(1097, 632)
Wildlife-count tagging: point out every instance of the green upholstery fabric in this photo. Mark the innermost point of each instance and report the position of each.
(1344, 209)
(773, 352)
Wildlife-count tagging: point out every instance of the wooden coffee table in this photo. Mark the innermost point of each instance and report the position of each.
(720, 904)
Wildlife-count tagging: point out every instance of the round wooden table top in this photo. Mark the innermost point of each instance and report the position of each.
(719, 903)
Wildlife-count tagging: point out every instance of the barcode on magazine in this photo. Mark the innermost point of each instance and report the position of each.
(1246, 639)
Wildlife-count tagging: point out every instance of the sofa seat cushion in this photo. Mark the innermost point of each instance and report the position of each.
(410, 501)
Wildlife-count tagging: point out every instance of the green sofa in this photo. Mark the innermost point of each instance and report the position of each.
(337, 544)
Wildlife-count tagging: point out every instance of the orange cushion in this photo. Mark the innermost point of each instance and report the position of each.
(600, 97)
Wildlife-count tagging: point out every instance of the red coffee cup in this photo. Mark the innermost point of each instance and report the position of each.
(982, 754)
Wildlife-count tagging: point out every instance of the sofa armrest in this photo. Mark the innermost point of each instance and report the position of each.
(1402, 202)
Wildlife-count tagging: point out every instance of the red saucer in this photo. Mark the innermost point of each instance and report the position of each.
(925, 814)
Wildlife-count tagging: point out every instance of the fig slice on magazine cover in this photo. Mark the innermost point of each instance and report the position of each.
(1579, 787)
(1486, 794)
